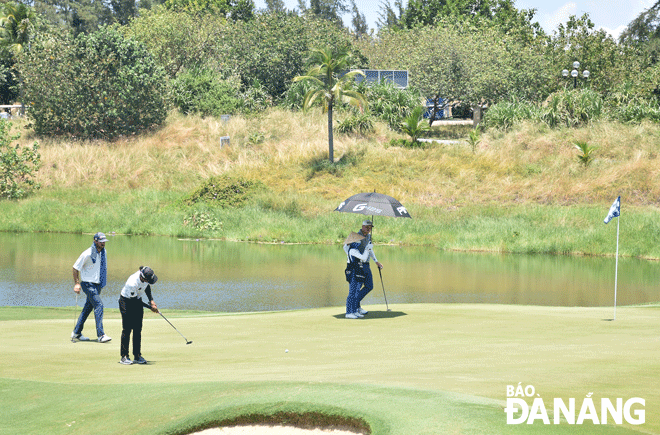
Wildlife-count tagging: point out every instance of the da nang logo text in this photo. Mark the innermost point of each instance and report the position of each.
(574, 411)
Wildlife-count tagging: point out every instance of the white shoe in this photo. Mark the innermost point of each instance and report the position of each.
(104, 339)
(78, 337)
(362, 311)
(126, 361)
(352, 316)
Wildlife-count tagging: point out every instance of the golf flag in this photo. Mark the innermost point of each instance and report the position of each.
(615, 210)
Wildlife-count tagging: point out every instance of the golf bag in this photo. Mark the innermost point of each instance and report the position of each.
(355, 269)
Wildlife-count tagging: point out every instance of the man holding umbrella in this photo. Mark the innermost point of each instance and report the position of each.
(361, 250)
(374, 204)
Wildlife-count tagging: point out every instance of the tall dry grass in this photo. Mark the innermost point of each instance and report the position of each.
(529, 164)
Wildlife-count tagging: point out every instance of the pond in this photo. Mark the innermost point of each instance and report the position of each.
(35, 270)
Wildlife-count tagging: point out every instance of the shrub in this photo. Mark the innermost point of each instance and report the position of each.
(223, 191)
(630, 108)
(202, 221)
(295, 95)
(474, 138)
(572, 108)
(204, 93)
(405, 143)
(585, 150)
(414, 124)
(17, 165)
(356, 123)
(255, 99)
(389, 103)
(505, 114)
(100, 85)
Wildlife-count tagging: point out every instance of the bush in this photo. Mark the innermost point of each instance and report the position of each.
(572, 108)
(204, 93)
(389, 103)
(414, 124)
(295, 95)
(17, 165)
(100, 85)
(356, 123)
(223, 191)
(405, 143)
(255, 99)
(505, 114)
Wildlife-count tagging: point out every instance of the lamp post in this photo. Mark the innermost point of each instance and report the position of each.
(575, 73)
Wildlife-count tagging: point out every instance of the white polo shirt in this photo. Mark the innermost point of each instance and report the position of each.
(134, 287)
(89, 271)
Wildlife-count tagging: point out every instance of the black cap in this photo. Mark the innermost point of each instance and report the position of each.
(148, 275)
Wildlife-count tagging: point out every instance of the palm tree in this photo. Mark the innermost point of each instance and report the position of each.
(16, 24)
(329, 86)
(414, 125)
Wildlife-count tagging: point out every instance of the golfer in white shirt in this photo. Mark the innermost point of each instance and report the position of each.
(132, 312)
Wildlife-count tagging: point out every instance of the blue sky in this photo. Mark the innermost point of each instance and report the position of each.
(611, 15)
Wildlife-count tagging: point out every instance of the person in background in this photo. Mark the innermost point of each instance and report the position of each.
(90, 275)
(366, 246)
(359, 248)
(132, 312)
(354, 273)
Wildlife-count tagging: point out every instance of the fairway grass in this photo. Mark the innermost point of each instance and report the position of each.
(418, 369)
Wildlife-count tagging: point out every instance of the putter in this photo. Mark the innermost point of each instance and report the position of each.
(161, 315)
(381, 283)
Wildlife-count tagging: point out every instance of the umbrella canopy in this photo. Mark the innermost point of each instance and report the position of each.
(374, 204)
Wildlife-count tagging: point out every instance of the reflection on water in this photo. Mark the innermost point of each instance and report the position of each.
(35, 269)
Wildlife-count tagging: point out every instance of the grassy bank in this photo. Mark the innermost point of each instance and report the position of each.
(523, 191)
(422, 369)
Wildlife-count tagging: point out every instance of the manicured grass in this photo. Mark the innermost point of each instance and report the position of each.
(419, 369)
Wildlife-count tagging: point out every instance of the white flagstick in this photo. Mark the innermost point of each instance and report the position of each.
(616, 268)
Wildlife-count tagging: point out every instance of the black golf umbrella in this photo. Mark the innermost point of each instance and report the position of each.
(374, 204)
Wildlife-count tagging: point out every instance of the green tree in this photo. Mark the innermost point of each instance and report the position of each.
(358, 21)
(330, 10)
(331, 85)
(388, 17)
(18, 165)
(644, 32)
(275, 6)
(100, 85)
(234, 9)
(462, 62)
(501, 13)
(178, 40)
(17, 24)
(79, 16)
(597, 52)
(16, 28)
(123, 10)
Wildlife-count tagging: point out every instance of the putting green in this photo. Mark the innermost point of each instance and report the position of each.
(418, 369)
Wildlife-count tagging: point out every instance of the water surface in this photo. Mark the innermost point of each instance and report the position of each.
(35, 269)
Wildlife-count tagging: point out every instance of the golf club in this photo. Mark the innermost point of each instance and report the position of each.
(381, 283)
(161, 315)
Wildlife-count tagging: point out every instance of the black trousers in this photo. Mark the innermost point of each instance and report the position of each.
(132, 313)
